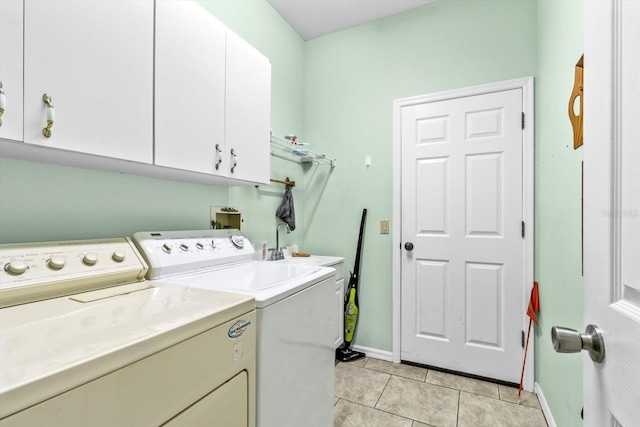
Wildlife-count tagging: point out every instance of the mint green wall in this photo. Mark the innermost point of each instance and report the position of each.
(352, 78)
(557, 207)
(43, 202)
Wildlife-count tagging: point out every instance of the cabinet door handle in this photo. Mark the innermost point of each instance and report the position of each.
(50, 115)
(234, 160)
(218, 153)
(3, 103)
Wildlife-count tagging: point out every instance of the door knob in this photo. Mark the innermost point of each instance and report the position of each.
(408, 246)
(571, 341)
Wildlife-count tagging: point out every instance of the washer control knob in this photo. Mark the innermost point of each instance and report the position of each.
(118, 256)
(16, 267)
(184, 247)
(166, 248)
(238, 241)
(199, 246)
(90, 259)
(56, 262)
(213, 244)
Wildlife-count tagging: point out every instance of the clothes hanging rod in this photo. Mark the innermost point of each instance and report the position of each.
(286, 182)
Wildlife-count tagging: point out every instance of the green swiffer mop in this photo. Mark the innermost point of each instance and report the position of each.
(344, 353)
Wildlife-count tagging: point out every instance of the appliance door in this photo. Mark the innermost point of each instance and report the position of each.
(194, 374)
(224, 407)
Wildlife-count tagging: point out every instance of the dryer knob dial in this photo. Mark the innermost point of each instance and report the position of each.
(184, 247)
(118, 256)
(166, 248)
(199, 246)
(90, 259)
(16, 267)
(56, 262)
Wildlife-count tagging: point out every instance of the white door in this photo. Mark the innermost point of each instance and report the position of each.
(248, 115)
(11, 48)
(189, 88)
(462, 210)
(612, 210)
(94, 59)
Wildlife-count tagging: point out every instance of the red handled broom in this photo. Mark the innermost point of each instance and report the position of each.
(534, 307)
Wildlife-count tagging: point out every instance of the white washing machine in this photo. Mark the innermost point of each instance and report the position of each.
(86, 341)
(295, 314)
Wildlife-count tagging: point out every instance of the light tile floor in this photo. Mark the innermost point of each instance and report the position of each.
(375, 393)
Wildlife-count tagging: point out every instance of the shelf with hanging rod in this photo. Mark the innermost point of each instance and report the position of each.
(286, 148)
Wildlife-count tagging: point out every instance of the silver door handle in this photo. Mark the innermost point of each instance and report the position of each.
(571, 341)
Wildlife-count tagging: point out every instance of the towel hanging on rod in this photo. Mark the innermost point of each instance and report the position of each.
(286, 211)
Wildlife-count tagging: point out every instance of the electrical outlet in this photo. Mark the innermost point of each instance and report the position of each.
(384, 226)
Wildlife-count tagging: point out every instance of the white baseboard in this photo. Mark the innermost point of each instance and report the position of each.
(545, 407)
(375, 353)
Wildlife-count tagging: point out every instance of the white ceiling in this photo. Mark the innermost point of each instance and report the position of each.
(314, 18)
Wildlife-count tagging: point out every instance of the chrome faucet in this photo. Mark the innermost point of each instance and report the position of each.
(277, 253)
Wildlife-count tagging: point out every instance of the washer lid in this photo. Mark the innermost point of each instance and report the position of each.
(266, 281)
(51, 346)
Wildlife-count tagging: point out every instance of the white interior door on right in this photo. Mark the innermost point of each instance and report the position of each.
(612, 210)
(462, 211)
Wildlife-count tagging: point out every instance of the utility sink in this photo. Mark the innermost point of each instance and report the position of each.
(312, 260)
(318, 260)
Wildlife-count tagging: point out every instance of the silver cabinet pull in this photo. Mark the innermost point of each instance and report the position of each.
(234, 160)
(219, 154)
(567, 340)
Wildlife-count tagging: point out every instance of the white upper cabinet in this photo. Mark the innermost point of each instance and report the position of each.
(94, 59)
(213, 96)
(189, 88)
(11, 46)
(86, 84)
(248, 111)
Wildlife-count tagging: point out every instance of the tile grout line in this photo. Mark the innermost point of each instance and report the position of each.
(458, 411)
(380, 410)
(383, 389)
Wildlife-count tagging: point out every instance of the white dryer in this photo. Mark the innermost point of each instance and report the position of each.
(86, 341)
(295, 314)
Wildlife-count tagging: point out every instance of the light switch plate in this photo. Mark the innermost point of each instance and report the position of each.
(384, 226)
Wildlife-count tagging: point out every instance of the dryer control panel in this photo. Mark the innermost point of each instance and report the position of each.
(36, 271)
(169, 253)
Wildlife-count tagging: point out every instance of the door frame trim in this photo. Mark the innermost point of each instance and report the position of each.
(527, 86)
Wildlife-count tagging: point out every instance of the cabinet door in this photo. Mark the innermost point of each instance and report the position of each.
(248, 111)
(95, 59)
(189, 88)
(339, 306)
(11, 46)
